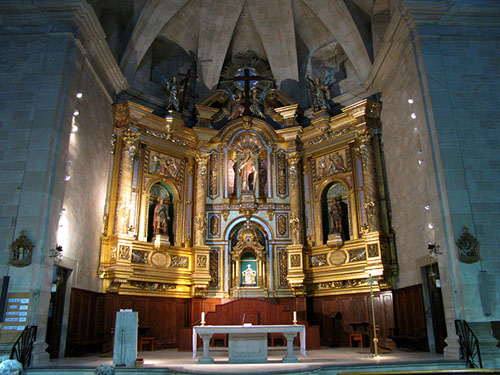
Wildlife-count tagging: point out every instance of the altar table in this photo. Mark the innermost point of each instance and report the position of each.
(249, 343)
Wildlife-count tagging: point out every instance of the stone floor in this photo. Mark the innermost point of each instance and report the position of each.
(347, 359)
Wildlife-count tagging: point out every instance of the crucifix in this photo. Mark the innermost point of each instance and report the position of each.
(246, 78)
(185, 83)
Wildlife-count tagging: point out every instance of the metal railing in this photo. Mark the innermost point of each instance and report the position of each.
(24, 345)
(469, 345)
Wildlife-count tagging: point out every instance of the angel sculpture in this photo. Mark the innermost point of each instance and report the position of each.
(258, 102)
(238, 108)
(319, 91)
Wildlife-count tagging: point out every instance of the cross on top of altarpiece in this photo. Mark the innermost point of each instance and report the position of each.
(247, 78)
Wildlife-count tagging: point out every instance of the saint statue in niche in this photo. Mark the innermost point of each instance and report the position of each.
(247, 172)
(160, 217)
(249, 276)
(336, 213)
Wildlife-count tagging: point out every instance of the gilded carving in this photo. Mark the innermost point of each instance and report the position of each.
(225, 214)
(295, 229)
(356, 255)
(160, 260)
(202, 160)
(201, 261)
(124, 252)
(130, 137)
(140, 256)
(201, 225)
(283, 267)
(214, 268)
(177, 261)
(373, 250)
(293, 170)
(147, 285)
(270, 214)
(282, 226)
(212, 175)
(318, 260)
(281, 166)
(121, 115)
(295, 260)
(337, 257)
(214, 225)
(112, 253)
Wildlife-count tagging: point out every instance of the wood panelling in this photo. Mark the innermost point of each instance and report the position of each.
(92, 316)
(334, 313)
(409, 315)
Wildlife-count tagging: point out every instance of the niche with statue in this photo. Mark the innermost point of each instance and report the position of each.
(161, 213)
(335, 212)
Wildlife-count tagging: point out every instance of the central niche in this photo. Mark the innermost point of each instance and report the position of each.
(249, 270)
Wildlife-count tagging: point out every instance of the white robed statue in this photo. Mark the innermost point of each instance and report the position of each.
(249, 276)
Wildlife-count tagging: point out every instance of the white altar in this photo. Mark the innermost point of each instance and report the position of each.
(249, 343)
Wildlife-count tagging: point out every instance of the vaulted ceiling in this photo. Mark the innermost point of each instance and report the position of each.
(294, 36)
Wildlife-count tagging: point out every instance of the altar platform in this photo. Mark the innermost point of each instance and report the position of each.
(327, 361)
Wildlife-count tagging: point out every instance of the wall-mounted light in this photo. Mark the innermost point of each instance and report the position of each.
(76, 112)
(410, 101)
(413, 115)
(430, 225)
(74, 129)
(427, 207)
(67, 177)
(79, 95)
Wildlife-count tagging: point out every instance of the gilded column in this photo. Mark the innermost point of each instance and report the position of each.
(296, 261)
(201, 275)
(371, 221)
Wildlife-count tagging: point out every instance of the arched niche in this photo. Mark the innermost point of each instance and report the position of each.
(160, 211)
(335, 211)
(248, 247)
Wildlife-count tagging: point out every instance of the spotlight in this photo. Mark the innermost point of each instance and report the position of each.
(413, 116)
(410, 101)
(427, 207)
(420, 161)
(431, 226)
(79, 95)
(67, 177)
(76, 112)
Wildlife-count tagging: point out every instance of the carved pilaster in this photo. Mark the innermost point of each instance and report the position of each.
(371, 204)
(201, 193)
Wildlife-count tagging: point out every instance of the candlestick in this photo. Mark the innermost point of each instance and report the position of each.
(202, 318)
(375, 338)
(295, 318)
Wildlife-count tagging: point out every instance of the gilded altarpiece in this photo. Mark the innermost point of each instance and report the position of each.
(252, 208)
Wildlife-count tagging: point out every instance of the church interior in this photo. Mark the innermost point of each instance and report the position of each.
(331, 162)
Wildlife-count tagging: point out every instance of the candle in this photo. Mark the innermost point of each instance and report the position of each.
(295, 316)
(203, 317)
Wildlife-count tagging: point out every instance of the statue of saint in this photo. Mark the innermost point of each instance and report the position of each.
(336, 217)
(249, 276)
(319, 91)
(247, 172)
(172, 89)
(160, 217)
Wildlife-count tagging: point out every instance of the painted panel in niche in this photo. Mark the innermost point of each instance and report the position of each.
(165, 165)
(330, 164)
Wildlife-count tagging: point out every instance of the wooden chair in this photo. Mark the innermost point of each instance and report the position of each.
(148, 342)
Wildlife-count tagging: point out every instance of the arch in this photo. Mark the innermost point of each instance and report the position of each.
(335, 210)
